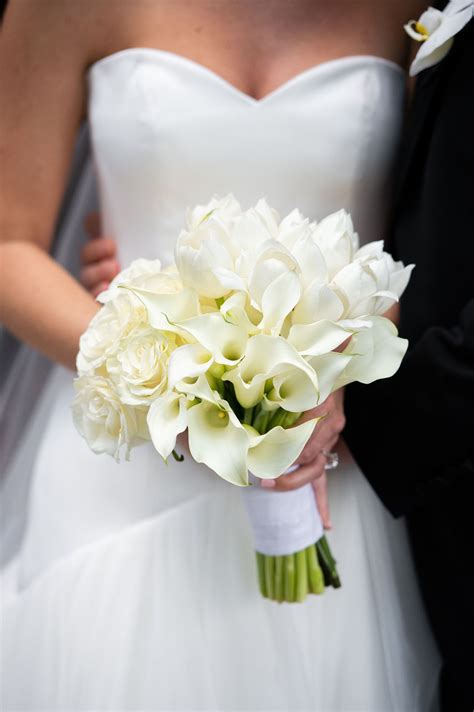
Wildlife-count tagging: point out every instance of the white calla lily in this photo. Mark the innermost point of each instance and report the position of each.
(237, 310)
(217, 439)
(294, 390)
(265, 357)
(225, 341)
(199, 388)
(273, 453)
(329, 367)
(279, 298)
(435, 30)
(188, 361)
(167, 418)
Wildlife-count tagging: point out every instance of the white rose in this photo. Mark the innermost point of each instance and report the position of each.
(101, 339)
(140, 273)
(140, 366)
(105, 422)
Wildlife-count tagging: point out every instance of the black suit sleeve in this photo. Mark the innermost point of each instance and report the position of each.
(413, 434)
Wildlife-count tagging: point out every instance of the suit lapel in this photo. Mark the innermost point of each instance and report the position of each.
(417, 123)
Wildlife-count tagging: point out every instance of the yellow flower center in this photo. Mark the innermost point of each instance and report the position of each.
(421, 29)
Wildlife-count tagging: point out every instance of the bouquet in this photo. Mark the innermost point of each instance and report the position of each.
(259, 320)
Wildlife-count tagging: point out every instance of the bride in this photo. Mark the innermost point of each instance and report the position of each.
(135, 585)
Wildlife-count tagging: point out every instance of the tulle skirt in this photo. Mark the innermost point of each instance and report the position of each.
(135, 589)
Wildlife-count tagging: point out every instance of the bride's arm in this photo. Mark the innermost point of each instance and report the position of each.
(42, 95)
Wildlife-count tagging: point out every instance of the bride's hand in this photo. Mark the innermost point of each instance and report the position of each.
(99, 264)
(312, 460)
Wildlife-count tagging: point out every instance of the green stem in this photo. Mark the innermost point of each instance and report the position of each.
(328, 562)
(289, 575)
(260, 421)
(301, 576)
(261, 574)
(269, 562)
(279, 578)
(177, 456)
(315, 575)
(248, 415)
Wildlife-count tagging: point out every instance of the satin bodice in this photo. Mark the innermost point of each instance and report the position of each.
(169, 133)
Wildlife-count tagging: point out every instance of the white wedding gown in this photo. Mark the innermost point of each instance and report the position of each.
(135, 587)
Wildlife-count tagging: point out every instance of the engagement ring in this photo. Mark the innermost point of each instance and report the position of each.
(332, 459)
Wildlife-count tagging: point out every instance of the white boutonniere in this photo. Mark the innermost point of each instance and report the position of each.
(435, 30)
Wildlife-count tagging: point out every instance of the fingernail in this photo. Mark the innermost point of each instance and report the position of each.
(268, 484)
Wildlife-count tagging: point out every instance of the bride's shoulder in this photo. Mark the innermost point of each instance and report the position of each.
(67, 34)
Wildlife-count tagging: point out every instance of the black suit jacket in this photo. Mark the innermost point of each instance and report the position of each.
(413, 435)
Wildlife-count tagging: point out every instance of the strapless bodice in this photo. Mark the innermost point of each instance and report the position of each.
(168, 133)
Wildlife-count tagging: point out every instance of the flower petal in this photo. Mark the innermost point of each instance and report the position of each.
(272, 453)
(317, 338)
(187, 361)
(167, 417)
(218, 440)
(225, 341)
(164, 309)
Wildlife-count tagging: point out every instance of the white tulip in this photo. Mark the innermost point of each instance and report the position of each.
(103, 420)
(319, 301)
(337, 240)
(318, 338)
(377, 353)
(227, 208)
(205, 252)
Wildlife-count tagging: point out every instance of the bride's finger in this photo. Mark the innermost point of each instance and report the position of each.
(92, 225)
(300, 477)
(104, 271)
(320, 487)
(99, 249)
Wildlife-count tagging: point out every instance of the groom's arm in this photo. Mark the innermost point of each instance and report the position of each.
(413, 435)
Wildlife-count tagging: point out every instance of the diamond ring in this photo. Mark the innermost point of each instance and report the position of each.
(332, 459)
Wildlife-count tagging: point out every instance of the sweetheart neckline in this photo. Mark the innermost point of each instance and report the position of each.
(281, 89)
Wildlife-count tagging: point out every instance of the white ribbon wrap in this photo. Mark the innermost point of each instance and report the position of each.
(282, 522)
